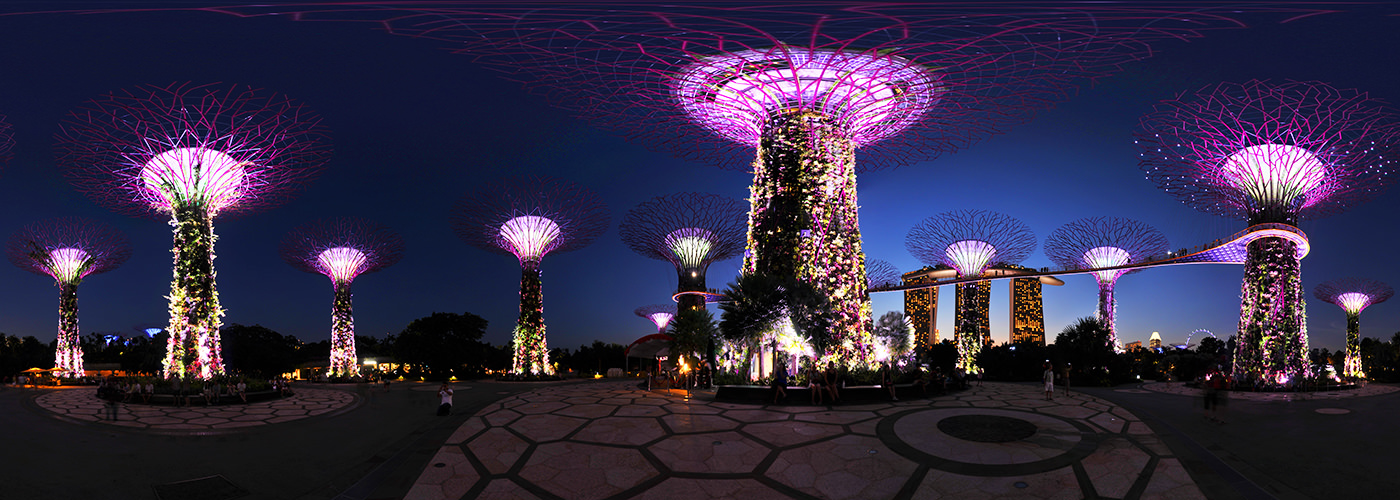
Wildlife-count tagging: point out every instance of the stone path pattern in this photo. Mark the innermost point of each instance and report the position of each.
(610, 440)
(81, 404)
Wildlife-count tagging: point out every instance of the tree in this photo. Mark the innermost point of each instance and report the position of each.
(258, 350)
(692, 332)
(1084, 346)
(894, 333)
(447, 344)
(758, 302)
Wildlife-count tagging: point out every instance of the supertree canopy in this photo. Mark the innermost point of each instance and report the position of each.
(658, 314)
(342, 249)
(190, 153)
(970, 241)
(689, 230)
(1271, 153)
(880, 273)
(812, 87)
(1104, 242)
(529, 218)
(1353, 295)
(68, 250)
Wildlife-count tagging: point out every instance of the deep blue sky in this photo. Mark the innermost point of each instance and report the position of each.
(415, 128)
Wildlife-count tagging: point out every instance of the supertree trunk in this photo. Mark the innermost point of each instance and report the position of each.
(68, 358)
(1352, 366)
(1273, 335)
(344, 362)
(531, 347)
(967, 334)
(690, 280)
(803, 220)
(1107, 313)
(193, 349)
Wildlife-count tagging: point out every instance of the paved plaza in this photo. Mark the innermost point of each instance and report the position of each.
(611, 440)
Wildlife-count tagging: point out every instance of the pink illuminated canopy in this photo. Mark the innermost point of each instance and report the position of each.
(1276, 174)
(1354, 302)
(342, 264)
(201, 176)
(970, 257)
(661, 319)
(529, 236)
(1107, 256)
(872, 96)
(68, 264)
(691, 245)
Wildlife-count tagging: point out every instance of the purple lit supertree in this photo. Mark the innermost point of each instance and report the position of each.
(530, 217)
(68, 250)
(805, 88)
(342, 249)
(658, 314)
(1100, 242)
(1353, 295)
(689, 230)
(881, 273)
(7, 141)
(1271, 153)
(970, 241)
(190, 153)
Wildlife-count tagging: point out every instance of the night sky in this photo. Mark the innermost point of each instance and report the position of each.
(415, 128)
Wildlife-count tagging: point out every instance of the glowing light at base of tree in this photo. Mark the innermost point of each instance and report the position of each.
(1100, 257)
(1353, 302)
(691, 246)
(529, 236)
(195, 175)
(1276, 174)
(341, 264)
(871, 96)
(68, 264)
(970, 257)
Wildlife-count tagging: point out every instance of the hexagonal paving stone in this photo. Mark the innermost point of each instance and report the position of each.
(1170, 481)
(505, 489)
(542, 407)
(540, 428)
(695, 489)
(465, 431)
(497, 449)
(500, 417)
(640, 411)
(584, 471)
(698, 423)
(621, 430)
(846, 467)
(587, 411)
(1114, 466)
(700, 453)
(752, 415)
(836, 417)
(783, 434)
(1059, 484)
(450, 480)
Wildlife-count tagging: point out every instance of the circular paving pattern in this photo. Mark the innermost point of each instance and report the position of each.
(82, 405)
(1052, 442)
(986, 428)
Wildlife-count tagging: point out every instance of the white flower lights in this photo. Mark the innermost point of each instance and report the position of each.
(341, 264)
(970, 257)
(1353, 302)
(1276, 174)
(691, 245)
(194, 176)
(68, 264)
(529, 236)
(1101, 257)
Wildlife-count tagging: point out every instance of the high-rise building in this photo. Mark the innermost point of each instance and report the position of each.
(1133, 346)
(1027, 312)
(979, 306)
(1155, 342)
(921, 307)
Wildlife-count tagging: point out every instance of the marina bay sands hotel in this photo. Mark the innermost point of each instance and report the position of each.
(1027, 310)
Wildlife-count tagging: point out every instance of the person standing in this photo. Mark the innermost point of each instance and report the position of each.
(1049, 378)
(887, 378)
(780, 382)
(445, 394)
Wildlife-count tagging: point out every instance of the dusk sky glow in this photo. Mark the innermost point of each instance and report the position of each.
(414, 128)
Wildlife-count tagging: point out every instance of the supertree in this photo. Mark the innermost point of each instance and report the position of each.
(1271, 153)
(342, 249)
(879, 273)
(658, 314)
(1101, 242)
(689, 230)
(970, 241)
(7, 141)
(529, 217)
(1353, 295)
(808, 87)
(191, 153)
(68, 250)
